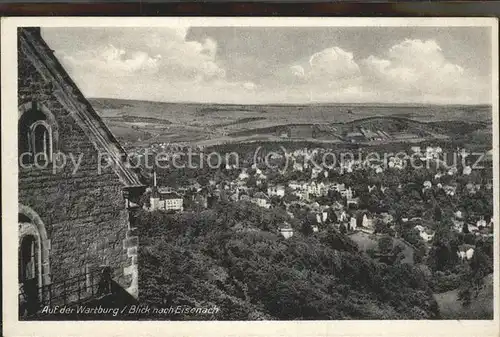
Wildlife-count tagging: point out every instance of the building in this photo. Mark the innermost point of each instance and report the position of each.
(165, 199)
(348, 194)
(427, 235)
(353, 224)
(286, 231)
(352, 202)
(298, 167)
(315, 172)
(465, 252)
(432, 152)
(343, 217)
(416, 149)
(322, 189)
(261, 200)
(278, 191)
(337, 187)
(172, 201)
(74, 222)
(302, 194)
(458, 225)
(481, 223)
(243, 175)
(450, 190)
(294, 185)
(368, 222)
(313, 189)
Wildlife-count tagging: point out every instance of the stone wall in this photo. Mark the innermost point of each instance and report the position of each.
(84, 211)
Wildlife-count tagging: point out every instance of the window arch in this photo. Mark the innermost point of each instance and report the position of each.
(37, 133)
(34, 252)
(40, 137)
(28, 258)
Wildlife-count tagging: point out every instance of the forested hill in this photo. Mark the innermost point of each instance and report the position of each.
(232, 257)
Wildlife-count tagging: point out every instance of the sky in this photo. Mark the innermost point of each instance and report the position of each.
(259, 65)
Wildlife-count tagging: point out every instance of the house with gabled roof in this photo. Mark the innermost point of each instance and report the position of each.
(465, 251)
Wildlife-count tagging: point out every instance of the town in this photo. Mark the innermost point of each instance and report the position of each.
(355, 196)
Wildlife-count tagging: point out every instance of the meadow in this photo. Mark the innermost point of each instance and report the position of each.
(139, 123)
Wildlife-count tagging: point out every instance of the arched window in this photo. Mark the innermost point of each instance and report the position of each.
(28, 259)
(36, 134)
(34, 260)
(41, 140)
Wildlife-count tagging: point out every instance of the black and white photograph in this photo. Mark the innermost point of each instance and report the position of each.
(230, 171)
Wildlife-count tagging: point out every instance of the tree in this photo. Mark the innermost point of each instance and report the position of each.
(251, 181)
(438, 213)
(199, 260)
(332, 216)
(308, 223)
(382, 228)
(144, 200)
(385, 244)
(465, 228)
(306, 228)
(359, 218)
(202, 180)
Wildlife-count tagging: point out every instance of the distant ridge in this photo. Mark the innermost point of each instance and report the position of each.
(305, 104)
(136, 121)
(386, 124)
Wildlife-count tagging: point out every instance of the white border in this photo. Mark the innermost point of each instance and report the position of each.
(13, 327)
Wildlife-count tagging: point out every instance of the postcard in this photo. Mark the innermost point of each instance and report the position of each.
(250, 176)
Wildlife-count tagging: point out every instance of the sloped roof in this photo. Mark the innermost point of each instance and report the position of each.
(165, 190)
(465, 247)
(260, 195)
(171, 195)
(43, 59)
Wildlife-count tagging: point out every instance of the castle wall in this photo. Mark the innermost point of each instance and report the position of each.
(83, 210)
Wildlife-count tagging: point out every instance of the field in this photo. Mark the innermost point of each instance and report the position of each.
(481, 307)
(138, 123)
(366, 242)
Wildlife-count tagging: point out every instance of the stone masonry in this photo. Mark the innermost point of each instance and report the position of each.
(83, 211)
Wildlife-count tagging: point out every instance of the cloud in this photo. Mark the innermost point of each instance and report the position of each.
(410, 71)
(116, 60)
(333, 64)
(417, 68)
(153, 63)
(297, 71)
(331, 67)
(164, 64)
